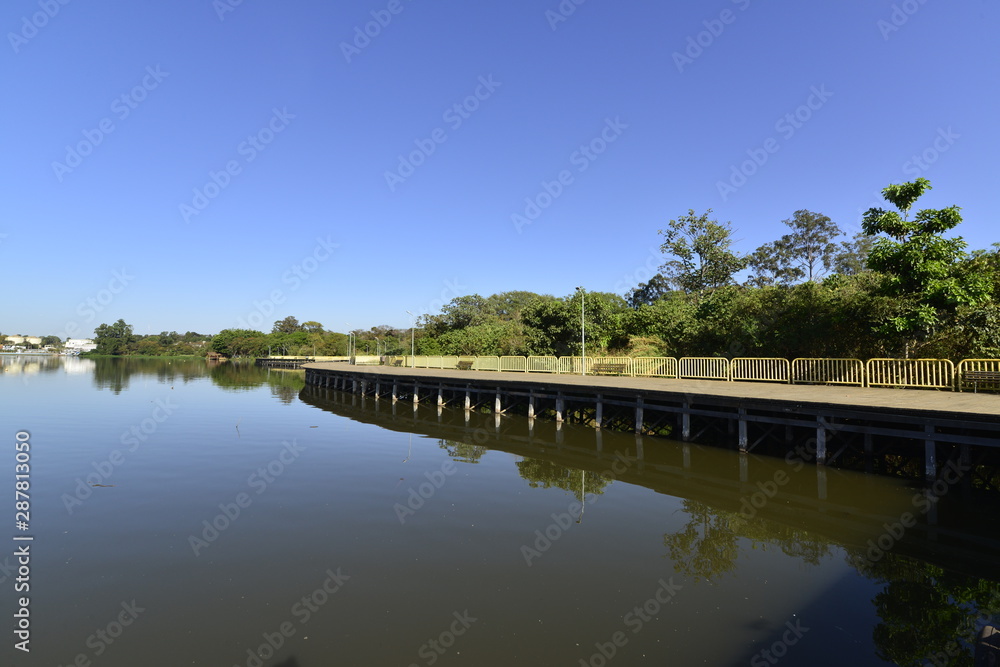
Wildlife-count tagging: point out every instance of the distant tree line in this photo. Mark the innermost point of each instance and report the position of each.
(118, 339)
(901, 288)
(287, 337)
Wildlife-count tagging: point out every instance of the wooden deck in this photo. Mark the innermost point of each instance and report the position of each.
(919, 400)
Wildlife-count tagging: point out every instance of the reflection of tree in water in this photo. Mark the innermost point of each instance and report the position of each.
(286, 384)
(545, 474)
(463, 452)
(236, 376)
(115, 373)
(707, 546)
(925, 611)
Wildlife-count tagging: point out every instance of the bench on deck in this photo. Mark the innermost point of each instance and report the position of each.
(397, 362)
(608, 369)
(975, 377)
(465, 365)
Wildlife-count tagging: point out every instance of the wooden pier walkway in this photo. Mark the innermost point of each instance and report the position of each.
(750, 411)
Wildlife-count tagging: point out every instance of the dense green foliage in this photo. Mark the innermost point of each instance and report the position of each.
(901, 288)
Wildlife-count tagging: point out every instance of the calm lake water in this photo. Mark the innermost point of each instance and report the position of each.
(187, 514)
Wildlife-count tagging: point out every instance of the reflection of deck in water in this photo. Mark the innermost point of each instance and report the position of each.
(834, 419)
(848, 509)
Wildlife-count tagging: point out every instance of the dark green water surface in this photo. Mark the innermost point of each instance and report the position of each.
(245, 519)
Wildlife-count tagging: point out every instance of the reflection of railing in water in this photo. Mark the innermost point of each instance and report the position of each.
(847, 509)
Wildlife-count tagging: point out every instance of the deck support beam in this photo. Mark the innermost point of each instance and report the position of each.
(743, 440)
(686, 422)
(820, 441)
(930, 452)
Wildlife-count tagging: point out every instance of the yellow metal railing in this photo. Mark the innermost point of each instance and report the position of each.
(919, 373)
(365, 360)
(703, 368)
(764, 369)
(828, 371)
(543, 364)
(569, 365)
(665, 367)
(609, 365)
(977, 366)
(486, 364)
(518, 364)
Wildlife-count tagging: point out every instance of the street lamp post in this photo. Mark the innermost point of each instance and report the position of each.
(583, 332)
(350, 344)
(413, 360)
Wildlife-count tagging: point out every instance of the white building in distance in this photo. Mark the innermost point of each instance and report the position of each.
(82, 344)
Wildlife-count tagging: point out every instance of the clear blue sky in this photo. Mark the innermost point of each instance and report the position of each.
(308, 130)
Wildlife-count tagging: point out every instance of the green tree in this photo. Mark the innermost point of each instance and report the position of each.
(648, 293)
(810, 247)
(700, 253)
(287, 325)
(553, 328)
(852, 258)
(149, 346)
(239, 343)
(771, 264)
(920, 265)
(807, 252)
(114, 339)
(312, 327)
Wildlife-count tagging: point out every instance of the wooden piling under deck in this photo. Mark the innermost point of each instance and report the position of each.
(834, 416)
